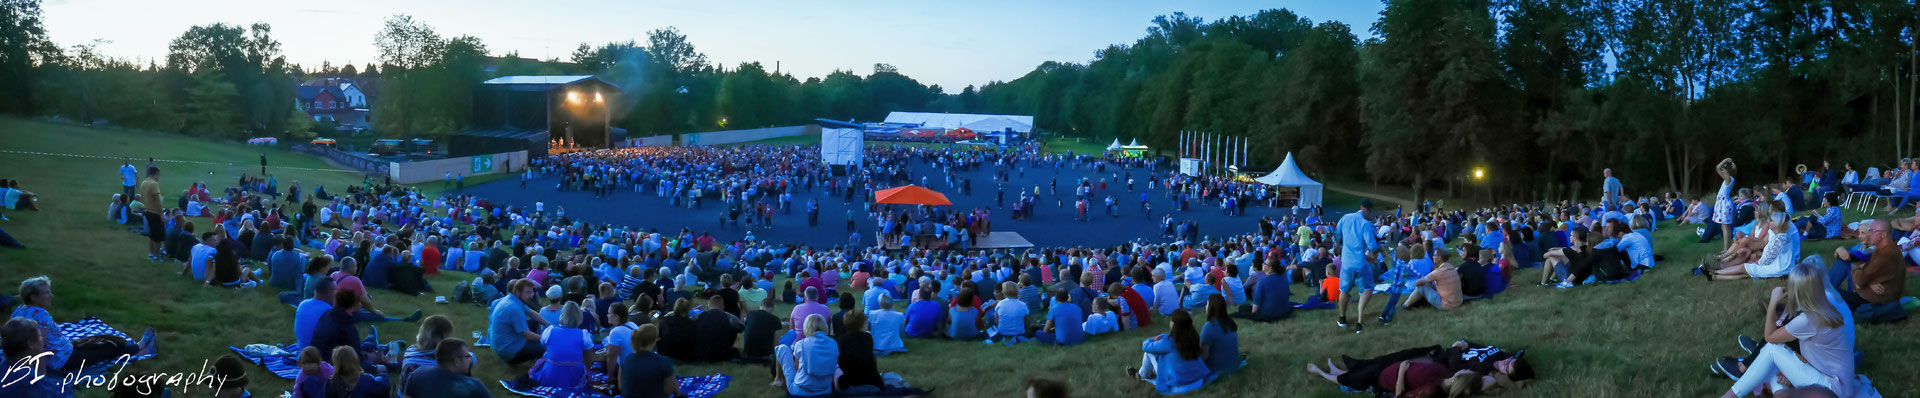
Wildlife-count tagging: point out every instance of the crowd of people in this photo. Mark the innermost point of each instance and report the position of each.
(611, 309)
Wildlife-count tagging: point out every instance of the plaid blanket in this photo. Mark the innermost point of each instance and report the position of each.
(90, 327)
(693, 387)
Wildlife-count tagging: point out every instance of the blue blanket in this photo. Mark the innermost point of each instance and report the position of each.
(693, 387)
(285, 366)
(91, 326)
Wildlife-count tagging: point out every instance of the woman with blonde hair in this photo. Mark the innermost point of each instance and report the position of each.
(1774, 261)
(348, 378)
(807, 367)
(1723, 201)
(1802, 311)
(568, 349)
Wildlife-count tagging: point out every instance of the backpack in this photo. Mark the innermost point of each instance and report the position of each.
(462, 293)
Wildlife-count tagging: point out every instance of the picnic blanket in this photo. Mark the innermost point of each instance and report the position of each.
(694, 387)
(286, 364)
(91, 326)
(284, 360)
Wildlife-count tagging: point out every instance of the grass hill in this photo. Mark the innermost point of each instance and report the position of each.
(1653, 337)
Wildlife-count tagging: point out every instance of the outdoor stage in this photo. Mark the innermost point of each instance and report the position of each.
(1053, 224)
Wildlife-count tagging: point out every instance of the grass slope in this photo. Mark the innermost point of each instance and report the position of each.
(1647, 338)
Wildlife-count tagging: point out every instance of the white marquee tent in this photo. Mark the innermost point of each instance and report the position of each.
(1289, 175)
(978, 123)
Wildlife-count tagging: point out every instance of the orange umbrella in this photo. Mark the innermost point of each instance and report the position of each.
(911, 195)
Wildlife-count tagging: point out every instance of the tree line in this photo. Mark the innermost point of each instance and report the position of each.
(1542, 94)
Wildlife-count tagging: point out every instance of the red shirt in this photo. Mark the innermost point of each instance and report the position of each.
(430, 260)
(1141, 316)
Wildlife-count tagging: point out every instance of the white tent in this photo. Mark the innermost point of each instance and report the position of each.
(997, 125)
(1134, 143)
(979, 123)
(1289, 175)
(1115, 146)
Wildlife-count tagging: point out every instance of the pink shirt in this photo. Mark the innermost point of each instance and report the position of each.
(351, 283)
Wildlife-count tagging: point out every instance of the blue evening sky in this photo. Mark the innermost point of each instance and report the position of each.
(950, 43)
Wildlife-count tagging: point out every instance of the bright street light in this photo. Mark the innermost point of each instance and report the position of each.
(1479, 174)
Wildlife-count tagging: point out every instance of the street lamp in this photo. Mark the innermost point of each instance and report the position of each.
(1479, 174)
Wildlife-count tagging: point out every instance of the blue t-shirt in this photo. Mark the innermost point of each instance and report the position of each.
(1271, 294)
(922, 318)
(962, 325)
(1011, 317)
(305, 317)
(1066, 324)
(505, 323)
(1223, 348)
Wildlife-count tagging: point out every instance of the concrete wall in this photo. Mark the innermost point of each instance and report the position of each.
(658, 140)
(436, 170)
(733, 136)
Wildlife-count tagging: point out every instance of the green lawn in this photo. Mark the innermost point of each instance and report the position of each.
(1653, 337)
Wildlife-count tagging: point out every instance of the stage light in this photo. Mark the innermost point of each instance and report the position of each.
(596, 97)
(573, 96)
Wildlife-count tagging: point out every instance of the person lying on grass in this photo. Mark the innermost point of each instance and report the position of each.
(1432, 370)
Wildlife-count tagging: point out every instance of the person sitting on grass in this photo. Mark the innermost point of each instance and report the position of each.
(807, 367)
(859, 370)
(716, 332)
(1103, 319)
(36, 297)
(1440, 288)
(1064, 322)
(285, 266)
(762, 332)
(1804, 311)
(510, 325)
(564, 363)
(678, 336)
(1010, 316)
(964, 321)
(348, 378)
(1270, 301)
(646, 374)
(847, 304)
(1220, 339)
(1878, 277)
(314, 373)
(451, 374)
(433, 330)
(345, 281)
(306, 316)
(1827, 225)
(925, 315)
(1173, 361)
(886, 326)
(1775, 261)
(23, 341)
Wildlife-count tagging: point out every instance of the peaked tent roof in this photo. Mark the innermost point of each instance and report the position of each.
(1019, 123)
(1288, 174)
(1135, 142)
(1115, 146)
